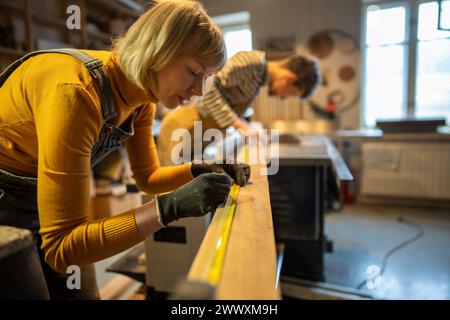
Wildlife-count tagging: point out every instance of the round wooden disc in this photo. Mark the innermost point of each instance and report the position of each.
(346, 73)
(321, 44)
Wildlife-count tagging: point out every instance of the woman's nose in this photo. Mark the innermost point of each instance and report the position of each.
(197, 88)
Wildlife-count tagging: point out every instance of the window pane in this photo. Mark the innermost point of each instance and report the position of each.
(238, 40)
(433, 79)
(428, 20)
(445, 15)
(385, 26)
(384, 83)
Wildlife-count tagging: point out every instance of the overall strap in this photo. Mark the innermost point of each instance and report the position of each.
(95, 67)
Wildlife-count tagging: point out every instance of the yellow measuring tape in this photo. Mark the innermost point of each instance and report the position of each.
(213, 269)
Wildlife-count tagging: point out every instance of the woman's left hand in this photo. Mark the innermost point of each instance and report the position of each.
(238, 171)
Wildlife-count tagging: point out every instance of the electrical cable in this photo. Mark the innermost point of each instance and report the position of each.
(401, 245)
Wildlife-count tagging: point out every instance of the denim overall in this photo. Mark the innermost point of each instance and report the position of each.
(18, 198)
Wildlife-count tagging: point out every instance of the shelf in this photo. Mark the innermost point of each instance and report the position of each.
(12, 8)
(49, 21)
(100, 35)
(39, 18)
(12, 52)
(114, 6)
(33, 19)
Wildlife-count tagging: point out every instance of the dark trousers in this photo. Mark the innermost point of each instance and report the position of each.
(26, 275)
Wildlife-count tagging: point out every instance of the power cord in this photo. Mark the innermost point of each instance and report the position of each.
(403, 244)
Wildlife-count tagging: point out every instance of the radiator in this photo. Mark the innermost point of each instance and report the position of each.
(406, 170)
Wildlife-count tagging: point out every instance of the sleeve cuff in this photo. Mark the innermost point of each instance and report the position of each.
(158, 213)
(121, 231)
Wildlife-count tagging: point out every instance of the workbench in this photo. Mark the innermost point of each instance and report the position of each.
(17, 248)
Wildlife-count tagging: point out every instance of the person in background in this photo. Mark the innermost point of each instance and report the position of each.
(232, 91)
(64, 111)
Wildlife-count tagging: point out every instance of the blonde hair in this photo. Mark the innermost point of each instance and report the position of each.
(160, 35)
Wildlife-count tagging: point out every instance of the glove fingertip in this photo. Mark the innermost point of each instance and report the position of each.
(223, 178)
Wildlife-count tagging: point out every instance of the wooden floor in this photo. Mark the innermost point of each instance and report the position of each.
(362, 235)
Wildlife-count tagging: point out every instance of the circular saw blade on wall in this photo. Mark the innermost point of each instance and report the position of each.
(339, 57)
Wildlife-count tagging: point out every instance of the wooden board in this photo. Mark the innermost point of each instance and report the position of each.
(250, 267)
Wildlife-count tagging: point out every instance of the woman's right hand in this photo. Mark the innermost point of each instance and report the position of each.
(196, 198)
(242, 126)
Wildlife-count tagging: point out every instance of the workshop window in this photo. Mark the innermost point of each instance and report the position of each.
(433, 62)
(406, 60)
(236, 31)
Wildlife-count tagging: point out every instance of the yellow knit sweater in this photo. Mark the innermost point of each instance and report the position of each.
(50, 117)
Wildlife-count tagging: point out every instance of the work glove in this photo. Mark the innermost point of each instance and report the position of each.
(196, 198)
(238, 171)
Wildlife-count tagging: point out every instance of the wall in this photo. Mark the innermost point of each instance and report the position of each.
(298, 18)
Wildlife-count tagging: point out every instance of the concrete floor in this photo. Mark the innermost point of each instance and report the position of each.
(362, 235)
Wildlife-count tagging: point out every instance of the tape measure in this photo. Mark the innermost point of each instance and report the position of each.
(213, 268)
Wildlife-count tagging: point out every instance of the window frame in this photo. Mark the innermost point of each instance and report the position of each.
(234, 22)
(411, 41)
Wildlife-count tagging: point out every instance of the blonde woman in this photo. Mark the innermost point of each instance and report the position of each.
(63, 111)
